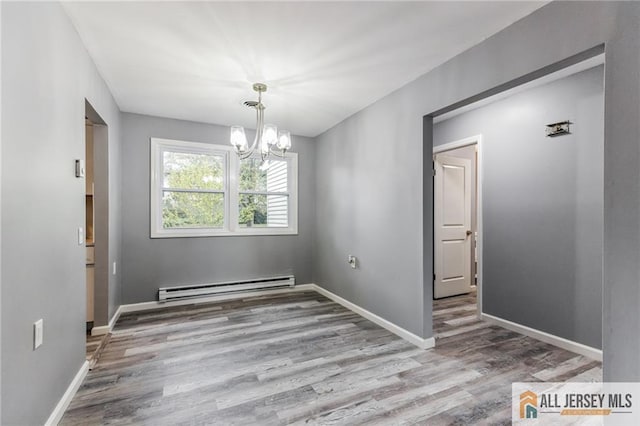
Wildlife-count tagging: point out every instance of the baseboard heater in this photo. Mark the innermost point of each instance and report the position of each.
(200, 290)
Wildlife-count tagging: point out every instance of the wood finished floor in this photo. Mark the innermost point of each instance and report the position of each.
(94, 347)
(93, 344)
(299, 358)
(452, 315)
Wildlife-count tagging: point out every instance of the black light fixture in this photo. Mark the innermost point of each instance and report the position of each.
(558, 129)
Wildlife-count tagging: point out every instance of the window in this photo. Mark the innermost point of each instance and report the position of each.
(200, 189)
(264, 193)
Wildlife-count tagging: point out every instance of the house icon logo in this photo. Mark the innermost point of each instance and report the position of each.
(528, 405)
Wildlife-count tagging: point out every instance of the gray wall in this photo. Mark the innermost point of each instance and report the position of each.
(152, 263)
(542, 205)
(369, 204)
(376, 155)
(46, 76)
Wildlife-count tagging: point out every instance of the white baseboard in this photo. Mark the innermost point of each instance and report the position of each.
(395, 329)
(101, 330)
(64, 402)
(570, 345)
(106, 329)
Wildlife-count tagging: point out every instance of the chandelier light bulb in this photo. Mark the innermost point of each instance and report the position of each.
(284, 140)
(270, 134)
(264, 148)
(238, 138)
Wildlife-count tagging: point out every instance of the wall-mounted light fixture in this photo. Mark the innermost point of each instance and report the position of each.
(558, 129)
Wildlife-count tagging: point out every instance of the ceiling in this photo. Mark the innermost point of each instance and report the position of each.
(322, 61)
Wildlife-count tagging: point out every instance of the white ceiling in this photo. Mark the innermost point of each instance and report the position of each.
(322, 61)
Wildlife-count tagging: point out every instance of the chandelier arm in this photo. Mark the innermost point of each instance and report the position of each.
(245, 155)
(259, 123)
(258, 130)
(281, 153)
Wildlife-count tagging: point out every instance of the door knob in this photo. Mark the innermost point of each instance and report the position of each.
(469, 233)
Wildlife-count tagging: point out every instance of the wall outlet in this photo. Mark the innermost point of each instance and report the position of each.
(352, 261)
(114, 268)
(38, 333)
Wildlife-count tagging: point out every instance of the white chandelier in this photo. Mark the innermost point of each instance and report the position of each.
(271, 140)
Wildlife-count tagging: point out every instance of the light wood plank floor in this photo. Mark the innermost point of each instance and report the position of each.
(298, 358)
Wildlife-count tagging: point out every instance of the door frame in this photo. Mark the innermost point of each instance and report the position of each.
(102, 199)
(461, 143)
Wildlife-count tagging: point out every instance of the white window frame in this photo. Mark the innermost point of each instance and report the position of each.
(231, 226)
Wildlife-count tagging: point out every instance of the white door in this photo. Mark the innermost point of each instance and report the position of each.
(452, 226)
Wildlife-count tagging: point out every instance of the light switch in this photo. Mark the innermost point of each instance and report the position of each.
(80, 236)
(38, 333)
(79, 168)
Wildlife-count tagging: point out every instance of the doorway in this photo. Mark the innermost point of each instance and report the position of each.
(89, 224)
(542, 185)
(456, 285)
(96, 231)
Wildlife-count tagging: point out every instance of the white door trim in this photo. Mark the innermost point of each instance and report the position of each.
(472, 140)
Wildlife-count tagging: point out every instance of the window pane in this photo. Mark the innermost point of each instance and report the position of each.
(262, 211)
(192, 210)
(268, 177)
(193, 171)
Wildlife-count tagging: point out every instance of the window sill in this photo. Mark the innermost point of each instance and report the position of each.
(205, 233)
